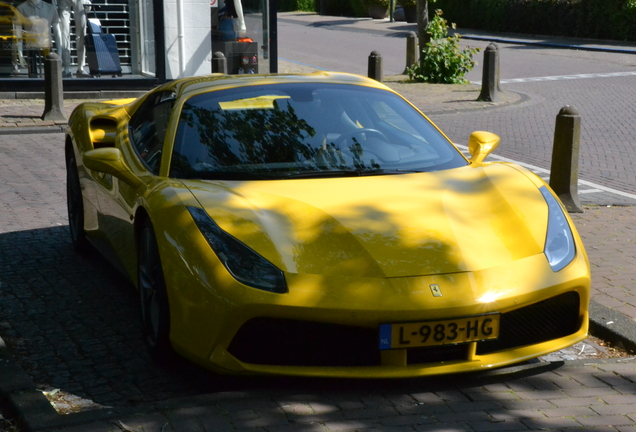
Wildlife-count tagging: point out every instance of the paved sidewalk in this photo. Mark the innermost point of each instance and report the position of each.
(597, 395)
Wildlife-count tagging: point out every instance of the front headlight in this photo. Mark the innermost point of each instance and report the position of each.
(559, 242)
(241, 262)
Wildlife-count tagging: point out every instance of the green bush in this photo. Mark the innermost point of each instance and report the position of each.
(442, 60)
(384, 3)
(296, 5)
(350, 8)
(597, 19)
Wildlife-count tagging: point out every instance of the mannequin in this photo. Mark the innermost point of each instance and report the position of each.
(41, 17)
(234, 9)
(79, 13)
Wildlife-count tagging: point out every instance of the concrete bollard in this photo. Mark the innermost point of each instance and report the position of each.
(219, 63)
(411, 51)
(564, 171)
(375, 66)
(53, 89)
(490, 77)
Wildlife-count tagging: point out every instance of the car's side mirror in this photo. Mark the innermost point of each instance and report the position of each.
(109, 161)
(481, 144)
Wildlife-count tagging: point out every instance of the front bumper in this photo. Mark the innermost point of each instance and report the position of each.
(318, 330)
(275, 346)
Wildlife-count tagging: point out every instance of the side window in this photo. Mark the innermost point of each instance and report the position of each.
(147, 128)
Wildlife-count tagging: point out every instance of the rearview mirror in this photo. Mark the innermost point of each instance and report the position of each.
(109, 161)
(481, 144)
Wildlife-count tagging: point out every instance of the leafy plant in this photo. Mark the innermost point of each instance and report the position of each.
(384, 3)
(408, 3)
(442, 60)
(596, 19)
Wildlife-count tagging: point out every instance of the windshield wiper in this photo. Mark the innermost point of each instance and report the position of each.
(325, 173)
(401, 171)
(348, 173)
(231, 175)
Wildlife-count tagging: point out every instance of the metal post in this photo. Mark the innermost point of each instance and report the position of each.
(273, 37)
(53, 90)
(391, 9)
(265, 24)
(564, 171)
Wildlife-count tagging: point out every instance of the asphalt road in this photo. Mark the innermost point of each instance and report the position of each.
(596, 83)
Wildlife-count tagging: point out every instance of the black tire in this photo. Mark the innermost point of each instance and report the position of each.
(75, 206)
(153, 298)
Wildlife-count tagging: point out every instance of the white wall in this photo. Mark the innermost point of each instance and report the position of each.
(196, 38)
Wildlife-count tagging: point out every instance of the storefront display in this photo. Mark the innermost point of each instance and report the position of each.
(30, 29)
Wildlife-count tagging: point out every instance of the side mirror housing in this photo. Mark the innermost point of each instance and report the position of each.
(481, 144)
(109, 161)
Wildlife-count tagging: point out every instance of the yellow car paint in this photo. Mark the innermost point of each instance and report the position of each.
(355, 251)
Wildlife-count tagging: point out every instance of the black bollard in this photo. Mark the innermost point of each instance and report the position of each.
(564, 171)
(375, 66)
(53, 90)
(411, 50)
(219, 63)
(490, 77)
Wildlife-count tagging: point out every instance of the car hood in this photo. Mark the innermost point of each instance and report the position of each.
(458, 220)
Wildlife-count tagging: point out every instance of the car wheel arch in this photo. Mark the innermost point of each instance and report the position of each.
(157, 329)
(141, 217)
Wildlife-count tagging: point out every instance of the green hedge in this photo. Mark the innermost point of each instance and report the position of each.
(350, 8)
(297, 5)
(283, 5)
(597, 19)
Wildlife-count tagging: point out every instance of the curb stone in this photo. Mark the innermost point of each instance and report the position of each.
(612, 326)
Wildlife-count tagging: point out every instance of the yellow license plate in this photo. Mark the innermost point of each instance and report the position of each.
(444, 332)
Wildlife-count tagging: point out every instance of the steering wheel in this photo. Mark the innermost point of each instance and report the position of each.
(369, 132)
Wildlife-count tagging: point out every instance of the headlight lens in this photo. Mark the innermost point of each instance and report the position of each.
(243, 263)
(559, 243)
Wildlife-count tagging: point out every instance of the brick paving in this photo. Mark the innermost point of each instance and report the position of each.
(609, 235)
(72, 322)
(607, 154)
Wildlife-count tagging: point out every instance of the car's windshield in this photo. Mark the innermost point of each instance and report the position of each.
(305, 130)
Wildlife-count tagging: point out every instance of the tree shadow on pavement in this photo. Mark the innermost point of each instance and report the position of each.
(72, 322)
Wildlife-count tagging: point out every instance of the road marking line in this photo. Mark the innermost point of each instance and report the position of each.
(537, 169)
(562, 77)
(302, 64)
(589, 191)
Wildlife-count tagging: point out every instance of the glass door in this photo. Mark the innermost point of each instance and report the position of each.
(147, 38)
(241, 31)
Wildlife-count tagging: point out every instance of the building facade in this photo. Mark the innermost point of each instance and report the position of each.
(154, 41)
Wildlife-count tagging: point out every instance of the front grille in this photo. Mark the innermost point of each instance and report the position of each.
(540, 322)
(436, 354)
(273, 341)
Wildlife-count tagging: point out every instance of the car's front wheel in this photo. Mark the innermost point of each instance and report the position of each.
(155, 310)
(75, 205)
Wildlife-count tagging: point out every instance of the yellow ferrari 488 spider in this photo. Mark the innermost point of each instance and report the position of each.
(320, 225)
